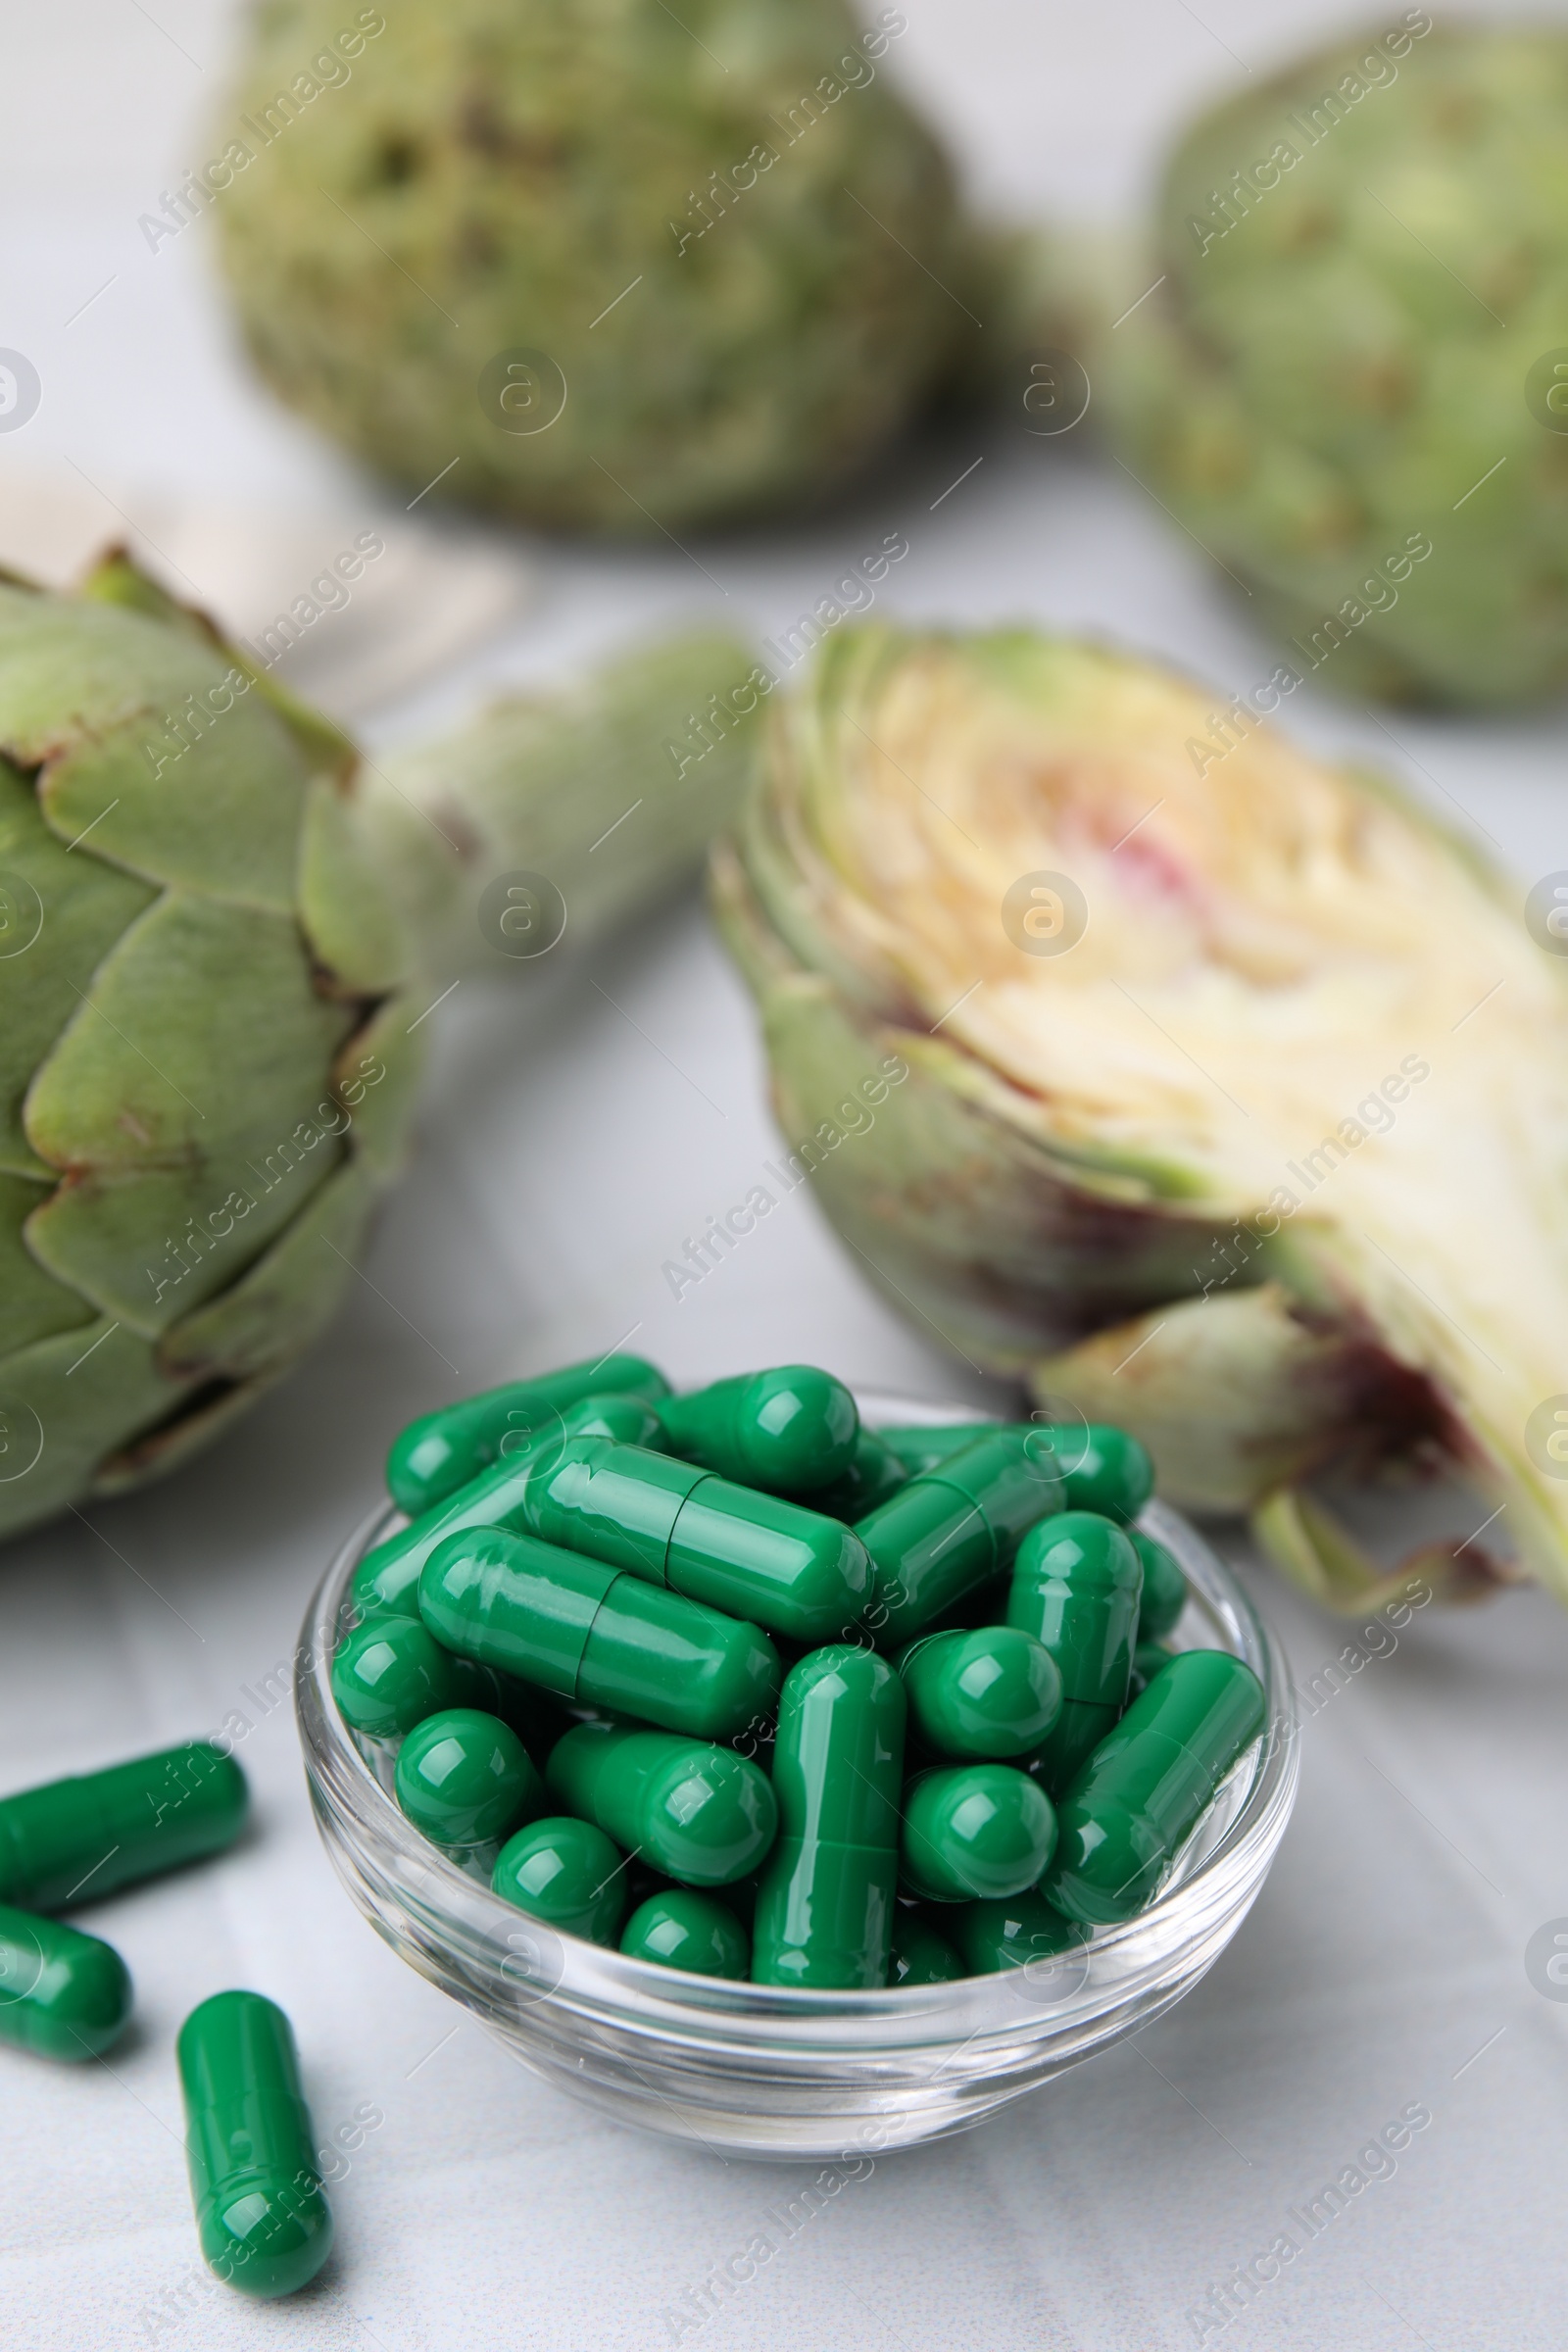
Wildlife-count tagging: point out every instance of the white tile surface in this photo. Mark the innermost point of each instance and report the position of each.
(562, 1160)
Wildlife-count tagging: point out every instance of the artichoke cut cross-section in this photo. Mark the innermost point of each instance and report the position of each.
(1258, 1145)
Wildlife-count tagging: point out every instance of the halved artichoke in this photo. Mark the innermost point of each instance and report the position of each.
(1237, 1105)
(219, 933)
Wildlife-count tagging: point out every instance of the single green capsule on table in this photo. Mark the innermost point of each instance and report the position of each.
(1021, 1930)
(441, 1451)
(464, 1778)
(686, 1929)
(63, 1995)
(825, 1903)
(1149, 1782)
(384, 1582)
(1076, 1584)
(948, 1530)
(974, 1831)
(1164, 1593)
(991, 1693)
(920, 1956)
(702, 1813)
(98, 1830)
(757, 1556)
(587, 1632)
(874, 1473)
(261, 2215)
(566, 1873)
(922, 1450)
(1103, 1469)
(791, 1430)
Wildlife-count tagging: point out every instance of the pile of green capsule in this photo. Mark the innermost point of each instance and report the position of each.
(738, 1686)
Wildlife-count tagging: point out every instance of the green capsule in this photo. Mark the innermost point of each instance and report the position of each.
(389, 1674)
(62, 1993)
(686, 1929)
(87, 1836)
(1149, 1782)
(950, 1529)
(384, 1582)
(464, 1779)
(585, 1631)
(825, 1904)
(1075, 1585)
(753, 1555)
(791, 1430)
(1019, 1929)
(991, 1693)
(920, 1956)
(1103, 1469)
(874, 1473)
(1164, 1588)
(566, 1872)
(443, 1450)
(702, 1813)
(922, 1450)
(261, 2215)
(973, 1831)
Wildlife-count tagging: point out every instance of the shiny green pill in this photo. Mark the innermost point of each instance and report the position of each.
(874, 1473)
(1149, 1782)
(686, 1929)
(261, 2215)
(991, 1693)
(87, 1836)
(587, 1632)
(385, 1581)
(63, 1995)
(1164, 1588)
(1147, 1659)
(921, 1450)
(464, 1778)
(1103, 1469)
(950, 1529)
(973, 1832)
(1021, 1930)
(701, 1813)
(825, 1903)
(566, 1873)
(791, 1430)
(1076, 1584)
(389, 1674)
(441, 1451)
(753, 1555)
(920, 1955)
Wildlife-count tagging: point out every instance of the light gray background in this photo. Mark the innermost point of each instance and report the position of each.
(564, 1155)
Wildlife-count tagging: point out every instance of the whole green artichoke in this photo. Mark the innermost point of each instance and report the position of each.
(1349, 382)
(219, 931)
(1235, 1108)
(617, 267)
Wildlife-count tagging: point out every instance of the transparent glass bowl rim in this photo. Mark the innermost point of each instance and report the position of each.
(482, 1928)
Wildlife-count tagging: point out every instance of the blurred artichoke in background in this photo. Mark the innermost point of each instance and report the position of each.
(1237, 1105)
(219, 931)
(1351, 380)
(613, 268)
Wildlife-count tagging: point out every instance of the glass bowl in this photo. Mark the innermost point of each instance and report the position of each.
(754, 2070)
